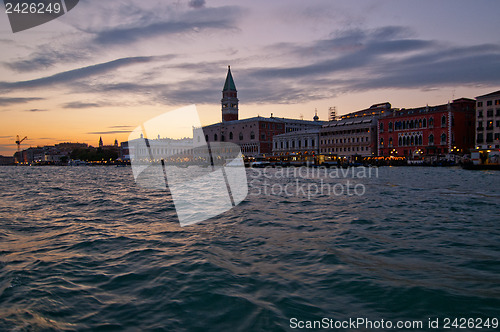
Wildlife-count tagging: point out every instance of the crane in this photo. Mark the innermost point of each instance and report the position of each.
(19, 141)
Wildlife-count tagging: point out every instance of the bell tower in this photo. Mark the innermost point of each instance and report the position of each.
(229, 99)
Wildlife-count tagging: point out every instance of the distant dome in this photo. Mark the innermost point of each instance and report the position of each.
(316, 117)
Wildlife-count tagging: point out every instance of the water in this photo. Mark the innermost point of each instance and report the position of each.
(84, 248)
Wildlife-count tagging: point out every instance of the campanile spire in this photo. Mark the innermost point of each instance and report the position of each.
(229, 99)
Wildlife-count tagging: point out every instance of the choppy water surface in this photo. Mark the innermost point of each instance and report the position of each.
(84, 248)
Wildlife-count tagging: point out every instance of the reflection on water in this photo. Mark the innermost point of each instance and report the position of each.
(87, 249)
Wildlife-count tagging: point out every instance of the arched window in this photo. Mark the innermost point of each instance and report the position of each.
(412, 141)
(443, 121)
(382, 141)
(222, 138)
(252, 135)
(215, 137)
(431, 137)
(206, 138)
(431, 122)
(420, 140)
(231, 135)
(390, 126)
(241, 137)
(400, 142)
(412, 125)
(404, 125)
(390, 141)
(381, 127)
(443, 138)
(420, 123)
(424, 123)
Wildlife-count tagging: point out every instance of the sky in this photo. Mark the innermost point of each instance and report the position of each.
(105, 67)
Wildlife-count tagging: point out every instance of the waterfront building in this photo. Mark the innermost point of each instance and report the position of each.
(6, 160)
(124, 151)
(429, 131)
(487, 147)
(253, 135)
(298, 145)
(488, 121)
(39, 155)
(159, 148)
(354, 134)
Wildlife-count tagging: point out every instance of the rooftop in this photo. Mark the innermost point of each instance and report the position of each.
(271, 119)
(489, 94)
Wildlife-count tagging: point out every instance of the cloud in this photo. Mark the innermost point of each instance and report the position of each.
(116, 127)
(80, 105)
(150, 26)
(352, 60)
(196, 91)
(196, 3)
(359, 60)
(109, 132)
(46, 58)
(80, 73)
(103, 24)
(5, 101)
(36, 110)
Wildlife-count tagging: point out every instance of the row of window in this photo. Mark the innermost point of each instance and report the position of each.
(489, 125)
(489, 137)
(489, 113)
(414, 124)
(412, 140)
(271, 126)
(345, 149)
(231, 137)
(345, 132)
(160, 151)
(345, 140)
(488, 103)
(291, 144)
(249, 149)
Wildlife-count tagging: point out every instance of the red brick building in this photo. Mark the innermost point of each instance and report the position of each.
(428, 131)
